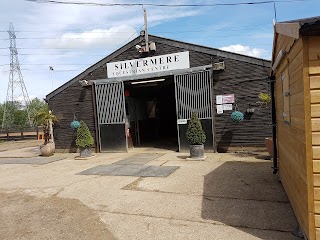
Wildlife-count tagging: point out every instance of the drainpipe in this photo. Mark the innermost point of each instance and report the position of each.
(272, 81)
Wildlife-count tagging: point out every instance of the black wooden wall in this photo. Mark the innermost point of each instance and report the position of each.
(245, 80)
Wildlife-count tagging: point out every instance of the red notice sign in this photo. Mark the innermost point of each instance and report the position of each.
(228, 98)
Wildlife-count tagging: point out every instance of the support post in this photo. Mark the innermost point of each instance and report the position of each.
(274, 125)
(146, 30)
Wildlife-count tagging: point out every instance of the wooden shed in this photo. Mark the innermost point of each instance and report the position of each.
(156, 91)
(296, 70)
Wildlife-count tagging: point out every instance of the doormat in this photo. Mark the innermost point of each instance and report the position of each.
(32, 161)
(139, 159)
(130, 170)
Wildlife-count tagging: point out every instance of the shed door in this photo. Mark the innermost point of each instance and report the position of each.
(194, 94)
(111, 111)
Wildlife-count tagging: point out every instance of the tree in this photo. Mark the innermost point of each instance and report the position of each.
(46, 118)
(16, 116)
(195, 133)
(1, 113)
(36, 106)
(84, 138)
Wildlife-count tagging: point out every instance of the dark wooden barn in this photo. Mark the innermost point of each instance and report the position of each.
(155, 102)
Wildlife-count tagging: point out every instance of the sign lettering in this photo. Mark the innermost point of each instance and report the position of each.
(148, 65)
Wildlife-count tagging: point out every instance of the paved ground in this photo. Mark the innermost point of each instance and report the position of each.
(227, 196)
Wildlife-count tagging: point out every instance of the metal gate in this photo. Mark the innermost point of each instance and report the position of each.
(194, 94)
(111, 113)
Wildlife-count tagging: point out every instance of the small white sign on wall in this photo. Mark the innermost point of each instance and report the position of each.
(219, 109)
(227, 107)
(182, 121)
(219, 99)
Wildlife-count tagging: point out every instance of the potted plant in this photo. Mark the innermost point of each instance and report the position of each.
(47, 119)
(196, 137)
(84, 140)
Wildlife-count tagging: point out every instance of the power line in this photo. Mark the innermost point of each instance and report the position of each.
(160, 5)
(234, 28)
(82, 38)
(46, 64)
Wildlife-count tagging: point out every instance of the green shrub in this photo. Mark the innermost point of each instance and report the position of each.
(84, 138)
(195, 133)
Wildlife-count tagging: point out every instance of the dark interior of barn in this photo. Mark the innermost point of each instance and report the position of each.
(151, 110)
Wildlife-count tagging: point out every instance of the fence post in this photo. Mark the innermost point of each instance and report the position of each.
(37, 130)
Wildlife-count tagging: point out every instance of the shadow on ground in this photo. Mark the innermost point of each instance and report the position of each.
(246, 195)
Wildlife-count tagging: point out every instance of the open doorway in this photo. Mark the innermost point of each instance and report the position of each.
(151, 113)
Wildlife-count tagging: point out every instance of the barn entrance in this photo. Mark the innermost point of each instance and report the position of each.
(151, 113)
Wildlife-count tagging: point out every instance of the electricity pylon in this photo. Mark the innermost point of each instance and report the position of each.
(17, 95)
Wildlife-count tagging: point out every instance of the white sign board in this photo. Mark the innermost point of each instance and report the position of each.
(219, 99)
(219, 109)
(182, 121)
(227, 107)
(160, 63)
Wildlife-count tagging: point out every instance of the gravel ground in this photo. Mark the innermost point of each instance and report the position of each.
(32, 218)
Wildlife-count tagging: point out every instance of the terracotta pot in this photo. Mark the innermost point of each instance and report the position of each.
(47, 149)
(269, 146)
(197, 151)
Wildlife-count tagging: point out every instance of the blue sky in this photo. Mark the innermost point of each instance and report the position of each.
(70, 38)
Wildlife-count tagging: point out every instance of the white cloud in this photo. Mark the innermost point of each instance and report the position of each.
(109, 38)
(245, 50)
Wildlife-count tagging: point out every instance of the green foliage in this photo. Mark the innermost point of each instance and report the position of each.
(17, 116)
(84, 138)
(37, 105)
(46, 118)
(195, 133)
(43, 117)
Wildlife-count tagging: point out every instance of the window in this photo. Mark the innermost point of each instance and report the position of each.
(285, 95)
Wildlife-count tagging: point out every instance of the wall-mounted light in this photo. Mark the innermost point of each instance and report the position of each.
(148, 81)
(218, 66)
(84, 83)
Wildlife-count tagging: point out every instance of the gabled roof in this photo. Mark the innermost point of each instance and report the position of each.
(171, 42)
(293, 28)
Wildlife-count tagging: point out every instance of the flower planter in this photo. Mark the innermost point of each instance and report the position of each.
(47, 149)
(85, 152)
(269, 146)
(197, 151)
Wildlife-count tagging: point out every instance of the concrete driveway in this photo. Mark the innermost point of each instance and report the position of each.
(227, 196)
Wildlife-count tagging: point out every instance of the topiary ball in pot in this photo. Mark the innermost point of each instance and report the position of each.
(196, 137)
(84, 140)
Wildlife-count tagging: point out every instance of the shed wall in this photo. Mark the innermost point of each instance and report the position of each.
(292, 137)
(313, 78)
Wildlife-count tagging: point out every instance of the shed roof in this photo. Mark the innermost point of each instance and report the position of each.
(295, 28)
(171, 42)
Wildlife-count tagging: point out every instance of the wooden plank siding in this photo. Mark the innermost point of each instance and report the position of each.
(245, 80)
(292, 137)
(313, 65)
